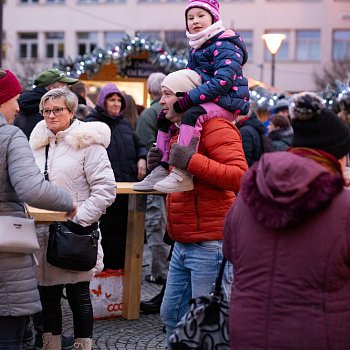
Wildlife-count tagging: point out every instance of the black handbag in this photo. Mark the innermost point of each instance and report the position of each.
(72, 246)
(205, 326)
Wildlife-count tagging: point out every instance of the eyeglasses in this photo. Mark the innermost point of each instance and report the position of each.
(55, 111)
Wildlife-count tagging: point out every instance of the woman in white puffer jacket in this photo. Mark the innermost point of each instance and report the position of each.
(78, 162)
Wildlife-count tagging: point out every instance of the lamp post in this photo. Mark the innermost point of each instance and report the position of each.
(273, 42)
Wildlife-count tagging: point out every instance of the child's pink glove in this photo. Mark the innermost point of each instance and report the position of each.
(180, 155)
(184, 103)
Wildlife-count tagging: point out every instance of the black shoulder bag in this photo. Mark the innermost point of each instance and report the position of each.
(71, 246)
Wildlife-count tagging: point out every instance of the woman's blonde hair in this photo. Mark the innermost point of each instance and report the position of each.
(69, 98)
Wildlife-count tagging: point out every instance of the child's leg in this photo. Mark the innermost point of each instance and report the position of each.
(193, 119)
(164, 127)
(165, 132)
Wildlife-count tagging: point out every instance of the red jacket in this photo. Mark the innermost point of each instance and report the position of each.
(217, 168)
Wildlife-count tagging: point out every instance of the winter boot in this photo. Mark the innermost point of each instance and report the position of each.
(51, 342)
(83, 344)
(177, 181)
(147, 184)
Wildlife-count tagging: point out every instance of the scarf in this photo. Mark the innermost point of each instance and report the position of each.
(198, 39)
(321, 157)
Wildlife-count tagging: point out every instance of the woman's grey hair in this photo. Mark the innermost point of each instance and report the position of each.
(154, 84)
(69, 98)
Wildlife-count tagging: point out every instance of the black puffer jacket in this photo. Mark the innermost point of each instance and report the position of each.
(251, 129)
(29, 114)
(125, 148)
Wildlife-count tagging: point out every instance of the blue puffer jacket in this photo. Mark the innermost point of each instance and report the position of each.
(219, 62)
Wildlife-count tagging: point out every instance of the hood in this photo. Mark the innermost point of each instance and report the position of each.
(78, 135)
(254, 122)
(281, 133)
(110, 89)
(3, 120)
(283, 189)
(237, 40)
(29, 101)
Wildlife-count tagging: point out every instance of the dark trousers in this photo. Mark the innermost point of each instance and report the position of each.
(113, 226)
(78, 295)
(11, 332)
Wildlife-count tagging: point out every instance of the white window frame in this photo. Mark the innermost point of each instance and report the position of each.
(55, 42)
(30, 43)
(90, 42)
(307, 45)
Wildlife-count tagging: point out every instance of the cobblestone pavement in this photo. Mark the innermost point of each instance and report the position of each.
(145, 333)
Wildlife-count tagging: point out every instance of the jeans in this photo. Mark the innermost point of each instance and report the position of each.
(155, 223)
(192, 272)
(11, 332)
(78, 295)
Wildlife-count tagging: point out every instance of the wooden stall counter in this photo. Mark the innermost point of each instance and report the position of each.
(134, 244)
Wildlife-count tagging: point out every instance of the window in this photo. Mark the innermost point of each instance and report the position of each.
(54, 43)
(150, 35)
(283, 52)
(112, 38)
(341, 45)
(176, 39)
(87, 42)
(247, 36)
(55, 1)
(29, 1)
(308, 45)
(28, 45)
(88, 1)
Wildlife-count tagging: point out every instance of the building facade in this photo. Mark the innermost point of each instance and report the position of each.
(37, 33)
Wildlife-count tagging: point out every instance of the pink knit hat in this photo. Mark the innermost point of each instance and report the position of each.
(9, 87)
(212, 6)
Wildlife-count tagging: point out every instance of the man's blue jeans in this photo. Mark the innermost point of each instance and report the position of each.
(192, 273)
(11, 332)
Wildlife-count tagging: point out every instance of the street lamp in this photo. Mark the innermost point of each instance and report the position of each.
(273, 42)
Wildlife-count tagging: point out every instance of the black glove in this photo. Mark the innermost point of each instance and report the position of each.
(163, 124)
(181, 155)
(154, 157)
(184, 103)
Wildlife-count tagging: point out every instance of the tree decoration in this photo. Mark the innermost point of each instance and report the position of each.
(155, 52)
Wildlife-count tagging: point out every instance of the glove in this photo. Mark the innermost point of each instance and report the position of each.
(163, 124)
(154, 157)
(184, 103)
(180, 155)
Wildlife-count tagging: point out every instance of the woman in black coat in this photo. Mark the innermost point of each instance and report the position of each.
(128, 158)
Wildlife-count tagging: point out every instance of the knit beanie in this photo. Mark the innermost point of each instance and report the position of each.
(9, 87)
(212, 6)
(110, 89)
(318, 127)
(182, 80)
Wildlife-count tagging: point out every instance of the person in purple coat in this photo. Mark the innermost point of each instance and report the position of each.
(288, 237)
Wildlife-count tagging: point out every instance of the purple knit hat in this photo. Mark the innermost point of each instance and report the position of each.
(212, 6)
(110, 89)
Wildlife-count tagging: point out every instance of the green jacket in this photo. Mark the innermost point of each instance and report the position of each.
(146, 128)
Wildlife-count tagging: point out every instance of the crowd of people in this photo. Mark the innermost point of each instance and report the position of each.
(267, 189)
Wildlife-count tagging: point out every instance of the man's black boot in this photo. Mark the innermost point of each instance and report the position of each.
(152, 306)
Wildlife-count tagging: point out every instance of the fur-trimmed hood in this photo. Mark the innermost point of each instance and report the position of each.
(283, 189)
(78, 135)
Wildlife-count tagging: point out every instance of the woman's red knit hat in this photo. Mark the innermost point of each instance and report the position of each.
(9, 87)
